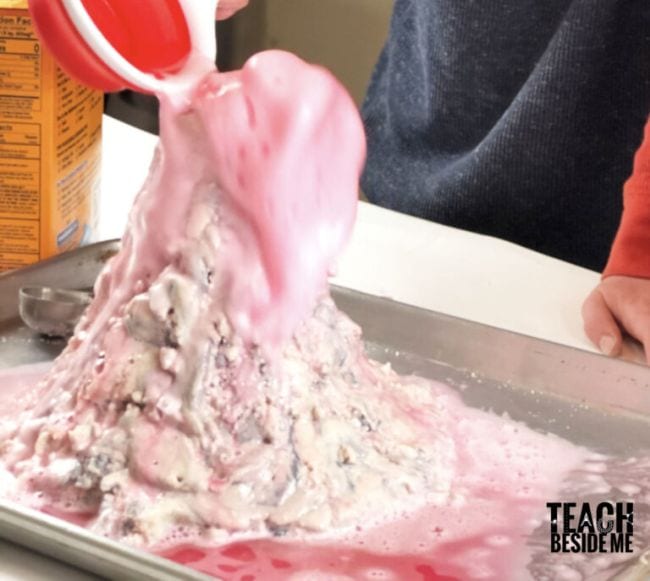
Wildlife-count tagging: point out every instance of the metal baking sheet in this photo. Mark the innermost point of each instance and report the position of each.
(588, 399)
(73, 270)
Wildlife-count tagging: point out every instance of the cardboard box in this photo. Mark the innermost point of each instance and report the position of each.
(50, 148)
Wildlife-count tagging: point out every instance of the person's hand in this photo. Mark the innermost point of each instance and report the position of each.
(617, 304)
(226, 8)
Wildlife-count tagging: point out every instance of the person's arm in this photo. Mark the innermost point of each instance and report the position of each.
(226, 8)
(621, 302)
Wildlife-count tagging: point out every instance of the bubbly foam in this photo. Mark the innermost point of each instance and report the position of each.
(213, 387)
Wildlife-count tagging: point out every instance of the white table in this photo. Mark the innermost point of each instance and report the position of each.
(410, 260)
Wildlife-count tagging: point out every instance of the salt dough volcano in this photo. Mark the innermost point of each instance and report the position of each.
(213, 385)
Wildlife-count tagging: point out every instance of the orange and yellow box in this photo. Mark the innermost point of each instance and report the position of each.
(50, 148)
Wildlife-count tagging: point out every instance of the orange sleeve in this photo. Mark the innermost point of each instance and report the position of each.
(630, 253)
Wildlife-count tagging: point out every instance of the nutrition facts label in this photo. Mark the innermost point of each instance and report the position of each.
(20, 147)
(20, 67)
(20, 141)
(50, 138)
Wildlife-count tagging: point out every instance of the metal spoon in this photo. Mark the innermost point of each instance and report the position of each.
(52, 311)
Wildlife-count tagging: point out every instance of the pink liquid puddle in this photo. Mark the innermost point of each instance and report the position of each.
(498, 488)
(482, 538)
(488, 556)
(265, 560)
(504, 476)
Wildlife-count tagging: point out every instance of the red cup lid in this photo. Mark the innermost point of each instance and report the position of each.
(152, 35)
